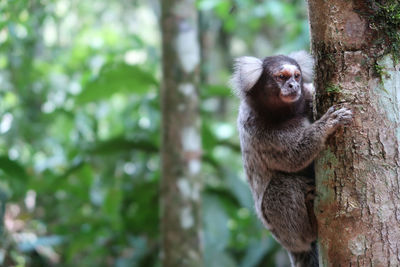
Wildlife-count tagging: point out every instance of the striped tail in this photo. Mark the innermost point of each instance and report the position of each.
(306, 258)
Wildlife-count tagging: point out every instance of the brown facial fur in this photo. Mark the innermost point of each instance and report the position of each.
(288, 70)
(266, 95)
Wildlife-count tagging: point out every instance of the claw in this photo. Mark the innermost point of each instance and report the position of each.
(331, 109)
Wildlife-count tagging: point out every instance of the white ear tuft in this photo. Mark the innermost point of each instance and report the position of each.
(306, 62)
(247, 71)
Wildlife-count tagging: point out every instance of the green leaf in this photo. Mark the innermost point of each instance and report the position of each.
(208, 138)
(16, 176)
(117, 78)
(216, 234)
(141, 214)
(121, 144)
(239, 189)
(12, 168)
(217, 258)
(112, 205)
(206, 5)
(257, 251)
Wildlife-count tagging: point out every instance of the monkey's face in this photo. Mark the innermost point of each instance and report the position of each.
(273, 82)
(288, 78)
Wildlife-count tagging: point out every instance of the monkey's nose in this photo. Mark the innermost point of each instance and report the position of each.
(293, 86)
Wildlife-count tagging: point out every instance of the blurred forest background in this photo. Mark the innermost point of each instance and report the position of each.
(80, 130)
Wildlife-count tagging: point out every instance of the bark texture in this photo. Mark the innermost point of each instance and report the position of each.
(181, 143)
(358, 203)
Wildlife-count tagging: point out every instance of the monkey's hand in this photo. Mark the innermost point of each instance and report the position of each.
(291, 150)
(335, 117)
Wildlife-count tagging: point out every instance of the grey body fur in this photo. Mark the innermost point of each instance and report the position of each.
(279, 143)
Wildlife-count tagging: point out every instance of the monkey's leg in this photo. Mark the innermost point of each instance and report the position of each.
(287, 208)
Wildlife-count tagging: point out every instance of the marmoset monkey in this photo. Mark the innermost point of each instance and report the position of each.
(279, 143)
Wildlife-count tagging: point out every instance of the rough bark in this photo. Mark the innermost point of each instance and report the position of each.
(181, 143)
(358, 203)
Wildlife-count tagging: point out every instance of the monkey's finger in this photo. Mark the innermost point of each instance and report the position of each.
(331, 110)
(346, 120)
(341, 112)
(346, 123)
(345, 115)
(328, 113)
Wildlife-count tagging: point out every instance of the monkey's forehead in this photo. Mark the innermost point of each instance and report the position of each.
(287, 70)
(280, 63)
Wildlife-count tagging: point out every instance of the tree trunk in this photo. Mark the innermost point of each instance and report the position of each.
(356, 46)
(181, 141)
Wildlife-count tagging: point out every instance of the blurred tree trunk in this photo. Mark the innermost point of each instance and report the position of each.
(215, 55)
(356, 44)
(207, 42)
(21, 69)
(181, 140)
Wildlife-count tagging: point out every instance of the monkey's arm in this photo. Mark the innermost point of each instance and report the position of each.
(291, 152)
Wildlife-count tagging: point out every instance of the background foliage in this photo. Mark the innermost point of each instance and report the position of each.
(80, 125)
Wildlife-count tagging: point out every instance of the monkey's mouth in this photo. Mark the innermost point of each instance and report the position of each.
(290, 98)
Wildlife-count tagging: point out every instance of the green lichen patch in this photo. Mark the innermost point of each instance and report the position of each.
(389, 77)
(385, 18)
(333, 88)
(381, 71)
